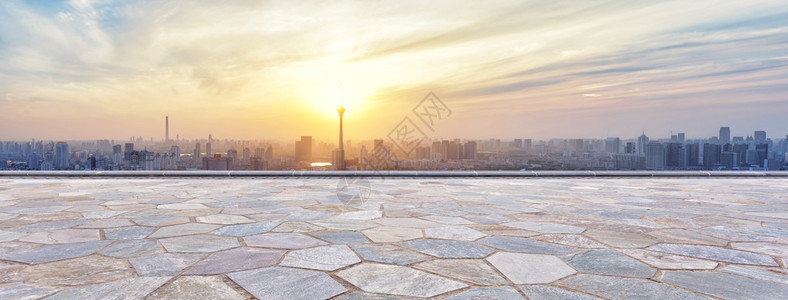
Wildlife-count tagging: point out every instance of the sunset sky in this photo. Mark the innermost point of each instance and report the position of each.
(507, 69)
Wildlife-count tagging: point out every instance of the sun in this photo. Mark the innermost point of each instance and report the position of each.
(328, 88)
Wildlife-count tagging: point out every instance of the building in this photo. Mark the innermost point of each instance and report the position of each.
(725, 135)
(469, 150)
(34, 162)
(217, 163)
(612, 145)
(655, 156)
(303, 149)
(762, 150)
(729, 159)
(629, 148)
(681, 137)
(675, 156)
(642, 142)
(197, 155)
(760, 136)
(711, 155)
(61, 155)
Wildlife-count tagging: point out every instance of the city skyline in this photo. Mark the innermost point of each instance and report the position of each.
(97, 70)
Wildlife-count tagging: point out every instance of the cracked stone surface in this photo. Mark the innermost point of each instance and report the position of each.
(448, 238)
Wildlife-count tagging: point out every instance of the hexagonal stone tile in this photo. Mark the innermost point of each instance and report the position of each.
(160, 220)
(326, 258)
(45, 254)
(283, 241)
(287, 283)
(163, 264)
(361, 215)
(107, 223)
(386, 234)
(609, 262)
(366, 296)
(342, 224)
(128, 233)
(514, 244)
(224, 219)
(545, 227)
(389, 254)
(196, 287)
(716, 253)
(342, 237)
(620, 239)
(183, 229)
(725, 285)
(397, 280)
(686, 236)
(246, 229)
(198, 243)
(448, 249)
(490, 293)
(132, 288)
(406, 222)
(778, 275)
(627, 288)
(571, 240)
(763, 247)
(475, 271)
(448, 220)
(237, 259)
(182, 206)
(297, 227)
(669, 261)
(130, 248)
(78, 271)
(460, 233)
(63, 236)
(530, 268)
(544, 292)
(50, 225)
(6, 236)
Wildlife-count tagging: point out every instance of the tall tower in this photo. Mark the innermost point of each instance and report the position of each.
(725, 135)
(166, 128)
(341, 152)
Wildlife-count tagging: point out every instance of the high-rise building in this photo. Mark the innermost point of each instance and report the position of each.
(725, 135)
(729, 159)
(612, 145)
(681, 137)
(693, 154)
(518, 144)
(711, 155)
(61, 155)
(197, 153)
(760, 136)
(655, 156)
(166, 128)
(762, 150)
(675, 156)
(246, 155)
(303, 149)
(630, 148)
(34, 162)
(527, 144)
(469, 151)
(642, 142)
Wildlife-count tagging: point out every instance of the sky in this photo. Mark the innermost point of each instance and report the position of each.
(85, 69)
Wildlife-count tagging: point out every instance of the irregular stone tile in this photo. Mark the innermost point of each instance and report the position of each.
(23, 291)
(769, 274)
(726, 285)
(488, 219)
(45, 254)
(460, 233)
(163, 264)
(489, 293)
(6, 236)
(448, 249)
(361, 215)
(237, 259)
(183, 229)
(79, 271)
(686, 236)
(132, 288)
(389, 254)
(196, 287)
(63, 236)
(763, 247)
(159, 221)
(198, 243)
(385, 234)
(448, 220)
(571, 240)
(106, 223)
(668, 261)
(340, 224)
(627, 288)
(297, 227)
(246, 229)
(716, 253)
(544, 292)
(406, 222)
(609, 262)
(326, 258)
(224, 219)
(240, 211)
(308, 215)
(130, 248)
(475, 271)
(283, 241)
(102, 214)
(503, 230)
(365, 296)
(286, 283)
(545, 227)
(620, 239)
(513, 244)
(10, 272)
(530, 268)
(51, 225)
(128, 233)
(182, 206)
(397, 280)
(342, 237)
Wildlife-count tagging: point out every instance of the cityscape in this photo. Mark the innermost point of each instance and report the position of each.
(677, 152)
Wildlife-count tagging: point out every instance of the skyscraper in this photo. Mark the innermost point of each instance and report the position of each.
(612, 144)
(760, 136)
(303, 149)
(711, 155)
(725, 135)
(166, 128)
(642, 142)
(61, 155)
(681, 137)
(655, 156)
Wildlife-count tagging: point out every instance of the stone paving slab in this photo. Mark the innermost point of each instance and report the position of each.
(447, 238)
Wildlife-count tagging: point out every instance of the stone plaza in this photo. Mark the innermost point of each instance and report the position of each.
(392, 238)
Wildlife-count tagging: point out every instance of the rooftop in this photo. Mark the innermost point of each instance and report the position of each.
(366, 237)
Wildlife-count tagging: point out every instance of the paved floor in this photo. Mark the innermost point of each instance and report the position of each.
(394, 238)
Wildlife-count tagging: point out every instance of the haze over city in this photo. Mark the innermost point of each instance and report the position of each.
(507, 69)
